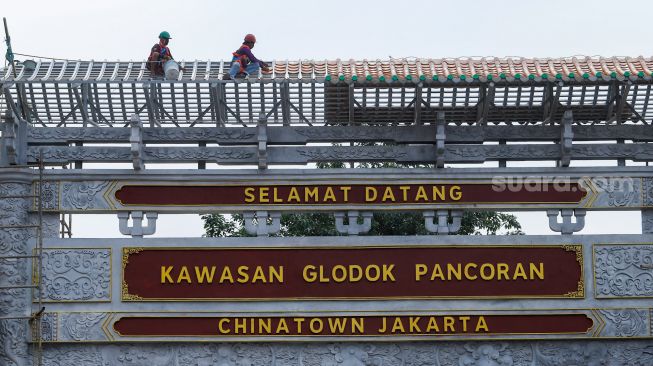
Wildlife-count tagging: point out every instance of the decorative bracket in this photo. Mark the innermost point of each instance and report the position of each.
(440, 136)
(13, 143)
(566, 226)
(566, 138)
(442, 226)
(261, 226)
(353, 227)
(262, 129)
(136, 140)
(137, 230)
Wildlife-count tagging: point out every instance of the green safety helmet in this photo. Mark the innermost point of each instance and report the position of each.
(165, 35)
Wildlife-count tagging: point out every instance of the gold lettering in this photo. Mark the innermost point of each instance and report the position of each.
(398, 326)
(537, 271)
(433, 325)
(368, 273)
(184, 275)
(299, 322)
(464, 319)
(263, 194)
(413, 326)
(337, 325)
(165, 274)
(456, 193)
(316, 329)
(359, 273)
(481, 325)
(220, 326)
(322, 278)
(421, 194)
(448, 323)
(309, 273)
(388, 195)
(282, 326)
(259, 275)
(243, 276)
(345, 191)
(339, 277)
(241, 325)
(384, 325)
(370, 194)
(420, 270)
(484, 276)
(249, 195)
(276, 275)
(502, 271)
(204, 274)
(329, 195)
(456, 271)
(467, 267)
(293, 195)
(404, 192)
(311, 193)
(519, 272)
(437, 272)
(387, 273)
(265, 325)
(357, 325)
(226, 275)
(275, 198)
(438, 193)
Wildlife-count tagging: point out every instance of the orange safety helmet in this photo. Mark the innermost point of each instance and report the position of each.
(250, 38)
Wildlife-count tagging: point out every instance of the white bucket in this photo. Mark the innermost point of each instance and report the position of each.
(171, 69)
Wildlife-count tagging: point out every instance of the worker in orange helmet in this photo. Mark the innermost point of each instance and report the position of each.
(244, 63)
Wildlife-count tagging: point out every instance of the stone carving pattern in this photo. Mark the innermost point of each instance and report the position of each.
(335, 133)
(623, 271)
(78, 134)
(14, 272)
(625, 323)
(79, 153)
(617, 192)
(198, 134)
(50, 195)
(555, 353)
(195, 154)
(647, 192)
(83, 195)
(82, 326)
(76, 274)
(49, 327)
(345, 153)
(486, 353)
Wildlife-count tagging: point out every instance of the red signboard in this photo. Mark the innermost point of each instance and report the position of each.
(349, 194)
(365, 325)
(352, 273)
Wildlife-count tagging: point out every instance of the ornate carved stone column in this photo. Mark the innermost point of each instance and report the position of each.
(15, 231)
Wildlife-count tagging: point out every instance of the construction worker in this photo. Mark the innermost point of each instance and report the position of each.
(159, 54)
(244, 62)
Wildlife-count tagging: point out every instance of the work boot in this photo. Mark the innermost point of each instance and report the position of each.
(226, 76)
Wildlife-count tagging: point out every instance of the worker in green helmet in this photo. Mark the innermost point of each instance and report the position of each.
(159, 54)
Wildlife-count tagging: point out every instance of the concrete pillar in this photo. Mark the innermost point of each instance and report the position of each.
(15, 185)
(647, 221)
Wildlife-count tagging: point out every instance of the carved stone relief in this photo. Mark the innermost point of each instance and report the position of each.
(50, 195)
(623, 271)
(559, 353)
(617, 192)
(83, 195)
(625, 323)
(76, 274)
(82, 327)
(14, 272)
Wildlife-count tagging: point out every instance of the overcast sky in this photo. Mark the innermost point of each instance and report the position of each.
(125, 30)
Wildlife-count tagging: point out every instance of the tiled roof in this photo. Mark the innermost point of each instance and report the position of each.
(577, 69)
